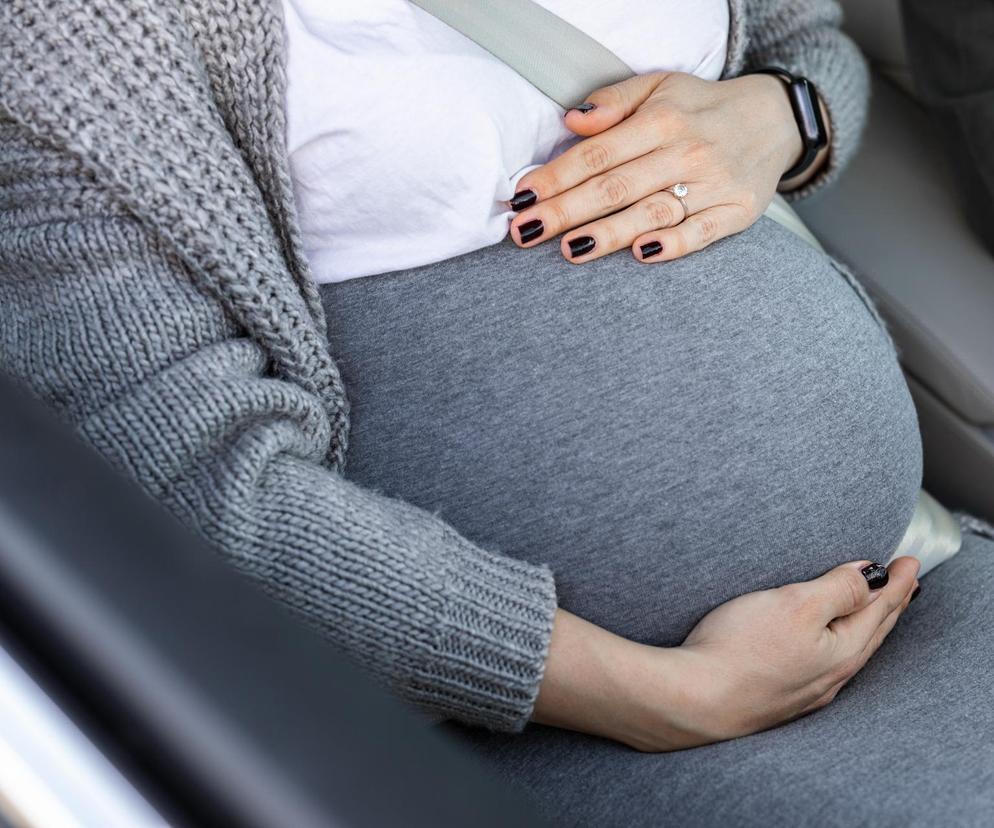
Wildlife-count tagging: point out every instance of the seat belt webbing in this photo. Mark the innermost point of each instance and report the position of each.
(551, 54)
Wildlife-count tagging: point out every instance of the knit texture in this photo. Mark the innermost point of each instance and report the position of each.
(153, 293)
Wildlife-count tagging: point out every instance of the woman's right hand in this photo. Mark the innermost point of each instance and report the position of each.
(753, 663)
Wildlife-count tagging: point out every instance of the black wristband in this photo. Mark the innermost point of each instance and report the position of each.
(807, 112)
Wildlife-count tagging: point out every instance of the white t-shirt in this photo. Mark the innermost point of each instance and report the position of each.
(407, 139)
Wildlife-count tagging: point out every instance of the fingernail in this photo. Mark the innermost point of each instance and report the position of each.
(651, 249)
(916, 593)
(523, 199)
(876, 575)
(530, 230)
(584, 108)
(581, 246)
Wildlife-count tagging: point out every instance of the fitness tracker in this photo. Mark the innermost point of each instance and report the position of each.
(807, 112)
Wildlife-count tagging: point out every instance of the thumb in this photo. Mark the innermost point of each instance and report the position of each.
(610, 105)
(849, 588)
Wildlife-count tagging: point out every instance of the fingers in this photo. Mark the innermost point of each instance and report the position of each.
(859, 630)
(601, 196)
(697, 232)
(616, 138)
(853, 664)
(860, 634)
(590, 158)
(656, 227)
(620, 230)
(888, 624)
(610, 105)
(842, 591)
(903, 585)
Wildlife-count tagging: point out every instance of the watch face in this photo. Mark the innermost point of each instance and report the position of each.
(808, 113)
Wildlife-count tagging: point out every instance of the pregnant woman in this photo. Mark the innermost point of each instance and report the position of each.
(625, 487)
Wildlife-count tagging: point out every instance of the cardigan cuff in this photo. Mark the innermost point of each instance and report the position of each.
(492, 640)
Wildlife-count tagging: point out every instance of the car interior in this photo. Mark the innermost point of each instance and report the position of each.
(894, 217)
(150, 679)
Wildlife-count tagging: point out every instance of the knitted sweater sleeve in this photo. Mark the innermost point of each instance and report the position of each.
(806, 39)
(100, 317)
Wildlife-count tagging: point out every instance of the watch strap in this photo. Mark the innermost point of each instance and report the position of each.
(806, 106)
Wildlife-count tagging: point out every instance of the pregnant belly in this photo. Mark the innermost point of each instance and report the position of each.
(664, 437)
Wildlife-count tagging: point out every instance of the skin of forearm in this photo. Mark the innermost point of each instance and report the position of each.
(602, 684)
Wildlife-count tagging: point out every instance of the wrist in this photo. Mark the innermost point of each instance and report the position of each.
(663, 708)
(599, 683)
(788, 144)
(587, 673)
(812, 127)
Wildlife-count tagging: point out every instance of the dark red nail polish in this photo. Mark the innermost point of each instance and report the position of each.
(523, 199)
(876, 575)
(585, 108)
(581, 246)
(652, 248)
(530, 230)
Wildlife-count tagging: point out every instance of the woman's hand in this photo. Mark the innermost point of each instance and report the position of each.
(756, 662)
(728, 141)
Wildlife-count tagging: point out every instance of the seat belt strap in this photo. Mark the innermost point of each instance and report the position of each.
(933, 537)
(551, 54)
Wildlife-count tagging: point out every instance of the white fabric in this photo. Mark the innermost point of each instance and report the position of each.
(407, 139)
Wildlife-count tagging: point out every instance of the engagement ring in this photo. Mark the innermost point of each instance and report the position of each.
(681, 191)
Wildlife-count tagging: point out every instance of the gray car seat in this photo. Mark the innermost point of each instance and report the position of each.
(895, 218)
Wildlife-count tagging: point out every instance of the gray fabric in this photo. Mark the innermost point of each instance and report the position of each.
(700, 429)
(906, 745)
(664, 437)
(153, 293)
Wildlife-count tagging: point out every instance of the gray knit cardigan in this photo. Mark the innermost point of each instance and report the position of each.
(154, 294)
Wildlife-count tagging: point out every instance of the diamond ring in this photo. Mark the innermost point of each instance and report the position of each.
(680, 191)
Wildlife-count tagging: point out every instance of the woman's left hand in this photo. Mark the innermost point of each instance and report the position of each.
(728, 141)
